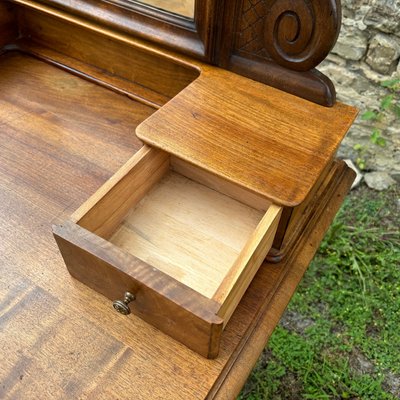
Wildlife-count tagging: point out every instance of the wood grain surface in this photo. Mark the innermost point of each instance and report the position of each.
(103, 212)
(191, 36)
(212, 181)
(160, 300)
(60, 139)
(173, 242)
(270, 142)
(274, 42)
(188, 231)
(114, 54)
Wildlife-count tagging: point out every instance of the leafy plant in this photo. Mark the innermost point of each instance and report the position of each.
(389, 106)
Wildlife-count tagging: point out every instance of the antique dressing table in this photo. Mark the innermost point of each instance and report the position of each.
(183, 156)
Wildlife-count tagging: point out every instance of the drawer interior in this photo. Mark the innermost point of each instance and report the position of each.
(201, 230)
(187, 230)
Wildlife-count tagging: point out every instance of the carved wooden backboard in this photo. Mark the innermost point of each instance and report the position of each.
(277, 42)
(280, 42)
(297, 35)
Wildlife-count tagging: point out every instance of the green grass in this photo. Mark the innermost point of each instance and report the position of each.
(340, 337)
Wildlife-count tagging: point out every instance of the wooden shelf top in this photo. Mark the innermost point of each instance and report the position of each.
(266, 140)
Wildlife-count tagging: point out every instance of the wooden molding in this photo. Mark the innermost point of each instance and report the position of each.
(310, 85)
(191, 37)
(276, 42)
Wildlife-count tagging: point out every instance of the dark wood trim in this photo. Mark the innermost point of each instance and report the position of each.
(311, 85)
(315, 205)
(8, 24)
(193, 38)
(156, 13)
(253, 41)
(276, 42)
(296, 35)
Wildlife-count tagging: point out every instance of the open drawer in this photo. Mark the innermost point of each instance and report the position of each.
(184, 242)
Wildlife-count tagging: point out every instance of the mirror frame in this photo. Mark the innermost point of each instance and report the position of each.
(147, 8)
(192, 37)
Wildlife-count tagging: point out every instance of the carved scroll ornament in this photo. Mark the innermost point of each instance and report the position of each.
(297, 34)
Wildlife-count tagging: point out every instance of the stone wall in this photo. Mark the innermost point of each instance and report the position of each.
(367, 53)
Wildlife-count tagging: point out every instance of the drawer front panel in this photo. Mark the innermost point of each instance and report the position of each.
(159, 300)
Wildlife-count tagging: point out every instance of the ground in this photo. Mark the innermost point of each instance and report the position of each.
(340, 336)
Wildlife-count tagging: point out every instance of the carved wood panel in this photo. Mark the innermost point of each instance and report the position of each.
(295, 34)
(251, 29)
(280, 42)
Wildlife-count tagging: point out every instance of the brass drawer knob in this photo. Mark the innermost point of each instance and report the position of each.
(122, 305)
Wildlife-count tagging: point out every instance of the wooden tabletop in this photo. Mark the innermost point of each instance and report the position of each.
(269, 141)
(58, 338)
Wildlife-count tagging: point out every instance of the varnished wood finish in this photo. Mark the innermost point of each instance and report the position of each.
(160, 300)
(310, 85)
(61, 340)
(297, 36)
(60, 141)
(297, 217)
(117, 56)
(191, 36)
(186, 251)
(93, 74)
(255, 141)
(293, 219)
(279, 43)
(274, 42)
(51, 97)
